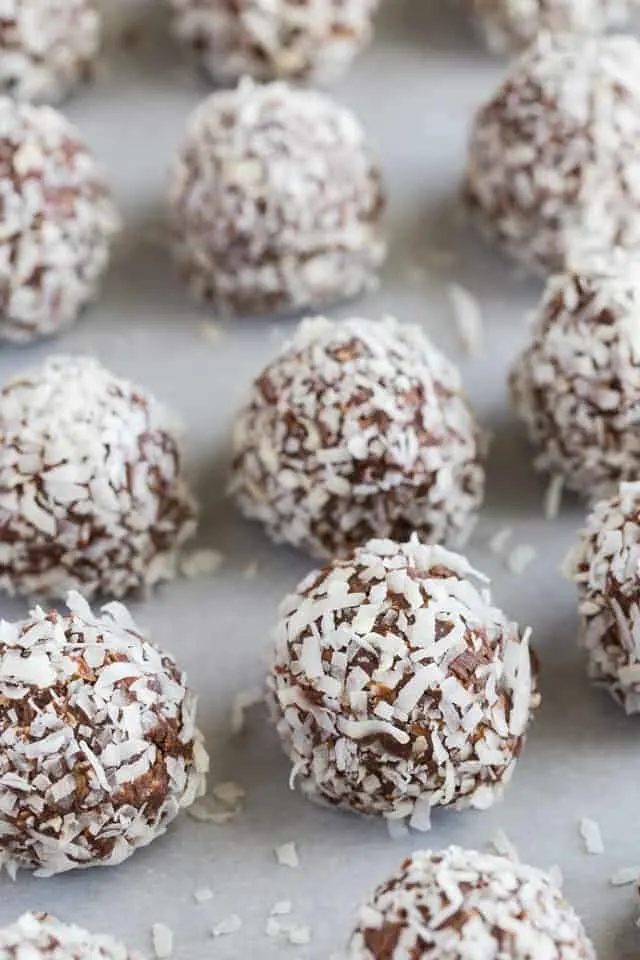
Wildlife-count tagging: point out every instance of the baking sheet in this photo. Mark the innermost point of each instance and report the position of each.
(416, 90)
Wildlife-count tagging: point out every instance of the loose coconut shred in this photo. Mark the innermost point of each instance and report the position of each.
(553, 169)
(41, 937)
(468, 905)
(99, 750)
(604, 566)
(58, 220)
(91, 489)
(276, 202)
(298, 39)
(396, 686)
(358, 429)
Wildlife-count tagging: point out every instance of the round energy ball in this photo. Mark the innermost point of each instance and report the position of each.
(58, 220)
(553, 156)
(509, 25)
(98, 746)
(41, 937)
(603, 565)
(461, 904)
(576, 386)
(313, 40)
(47, 47)
(357, 429)
(396, 686)
(92, 495)
(276, 202)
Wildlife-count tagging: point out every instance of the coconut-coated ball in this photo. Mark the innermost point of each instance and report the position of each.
(313, 40)
(38, 936)
(276, 202)
(99, 750)
(576, 386)
(458, 904)
(58, 221)
(47, 47)
(554, 156)
(396, 686)
(358, 429)
(92, 492)
(604, 566)
(509, 25)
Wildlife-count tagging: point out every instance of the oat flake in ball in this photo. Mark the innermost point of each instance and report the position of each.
(42, 937)
(92, 494)
(465, 905)
(357, 429)
(99, 750)
(276, 202)
(311, 40)
(396, 686)
(576, 386)
(47, 47)
(604, 566)
(553, 169)
(58, 220)
(512, 24)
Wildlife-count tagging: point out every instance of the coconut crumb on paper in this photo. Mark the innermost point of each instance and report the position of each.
(520, 558)
(281, 908)
(626, 876)
(198, 811)
(200, 563)
(590, 833)
(250, 572)
(503, 845)
(273, 928)
(162, 941)
(287, 855)
(229, 793)
(227, 926)
(211, 331)
(242, 702)
(468, 317)
(203, 894)
(553, 497)
(397, 829)
(499, 541)
(299, 935)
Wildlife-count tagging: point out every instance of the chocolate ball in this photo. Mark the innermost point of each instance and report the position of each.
(276, 202)
(552, 173)
(92, 494)
(462, 903)
(357, 429)
(604, 565)
(39, 936)
(576, 386)
(509, 25)
(293, 39)
(58, 220)
(47, 47)
(99, 750)
(396, 686)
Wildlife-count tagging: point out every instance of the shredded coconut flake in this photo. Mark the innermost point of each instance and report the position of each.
(287, 855)
(590, 833)
(242, 702)
(626, 876)
(200, 563)
(162, 941)
(468, 317)
(503, 845)
(520, 558)
(227, 926)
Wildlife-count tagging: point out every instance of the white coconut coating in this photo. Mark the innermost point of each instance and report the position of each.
(99, 750)
(312, 40)
(359, 428)
(276, 202)
(92, 495)
(553, 171)
(509, 25)
(396, 686)
(576, 386)
(42, 937)
(47, 47)
(460, 904)
(604, 566)
(58, 220)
